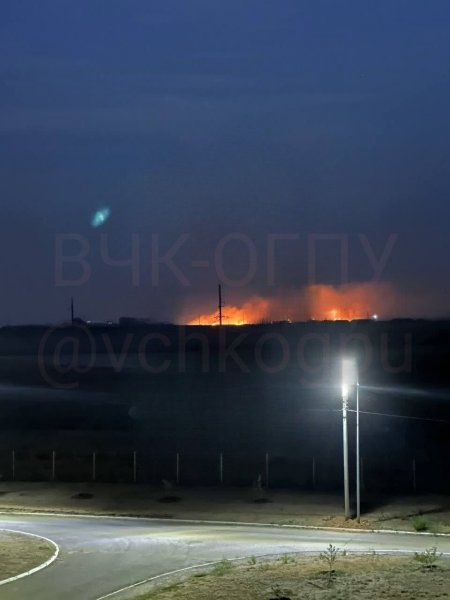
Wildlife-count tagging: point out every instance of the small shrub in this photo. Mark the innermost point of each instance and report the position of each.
(419, 523)
(252, 560)
(330, 557)
(285, 559)
(428, 557)
(223, 567)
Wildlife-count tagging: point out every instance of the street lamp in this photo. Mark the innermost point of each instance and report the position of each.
(350, 379)
(358, 460)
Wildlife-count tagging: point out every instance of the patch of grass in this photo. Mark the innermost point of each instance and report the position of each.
(221, 568)
(167, 589)
(20, 553)
(285, 559)
(359, 578)
(420, 523)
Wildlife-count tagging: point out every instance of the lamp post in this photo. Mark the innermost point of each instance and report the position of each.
(350, 379)
(358, 460)
(345, 450)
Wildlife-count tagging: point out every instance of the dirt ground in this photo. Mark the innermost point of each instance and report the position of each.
(20, 553)
(292, 578)
(227, 504)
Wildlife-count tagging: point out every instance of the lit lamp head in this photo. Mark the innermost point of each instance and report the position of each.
(349, 376)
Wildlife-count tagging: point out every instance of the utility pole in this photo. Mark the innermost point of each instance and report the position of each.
(345, 452)
(350, 380)
(72, 311)
(358, 460)
(220, 304)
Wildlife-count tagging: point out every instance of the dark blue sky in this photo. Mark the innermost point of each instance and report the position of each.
(208, 118)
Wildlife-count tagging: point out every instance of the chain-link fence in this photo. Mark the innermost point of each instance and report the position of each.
(230, 469)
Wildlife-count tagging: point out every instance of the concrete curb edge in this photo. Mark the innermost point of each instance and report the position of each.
(44, 565)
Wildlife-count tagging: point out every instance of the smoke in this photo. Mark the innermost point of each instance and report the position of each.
(320, 302)
(355, 301)
(323, 302)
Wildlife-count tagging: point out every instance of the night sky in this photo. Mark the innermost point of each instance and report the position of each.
(210, 118)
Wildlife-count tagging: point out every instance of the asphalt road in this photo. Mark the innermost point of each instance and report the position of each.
(101, 555)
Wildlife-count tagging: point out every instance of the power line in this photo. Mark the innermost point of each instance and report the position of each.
(379, 414)
(328, 410)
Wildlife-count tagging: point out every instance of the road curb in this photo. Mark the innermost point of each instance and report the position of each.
(44, 565)
(229, 523)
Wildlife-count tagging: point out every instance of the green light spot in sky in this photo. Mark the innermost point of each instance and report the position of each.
(100, 217)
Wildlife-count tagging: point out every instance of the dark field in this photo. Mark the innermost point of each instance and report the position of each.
(233, 405)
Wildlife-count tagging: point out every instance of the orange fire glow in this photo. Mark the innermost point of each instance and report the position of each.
(318, 302)
(252, 311)
(347, 303)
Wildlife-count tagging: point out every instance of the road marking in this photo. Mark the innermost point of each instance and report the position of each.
(45, 564)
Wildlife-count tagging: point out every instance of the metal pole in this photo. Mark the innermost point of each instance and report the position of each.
(358, 463)
(178, 469)
(13, 464)
(414, 474)
(314, 472)
(345, 454)
(53, 465)
(94, 466)
(134, 466)
(221, 467)
(267, 469)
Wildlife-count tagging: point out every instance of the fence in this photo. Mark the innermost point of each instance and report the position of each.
(272, 470)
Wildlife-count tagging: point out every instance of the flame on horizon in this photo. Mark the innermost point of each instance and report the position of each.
(254, 310)
(316, 302)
